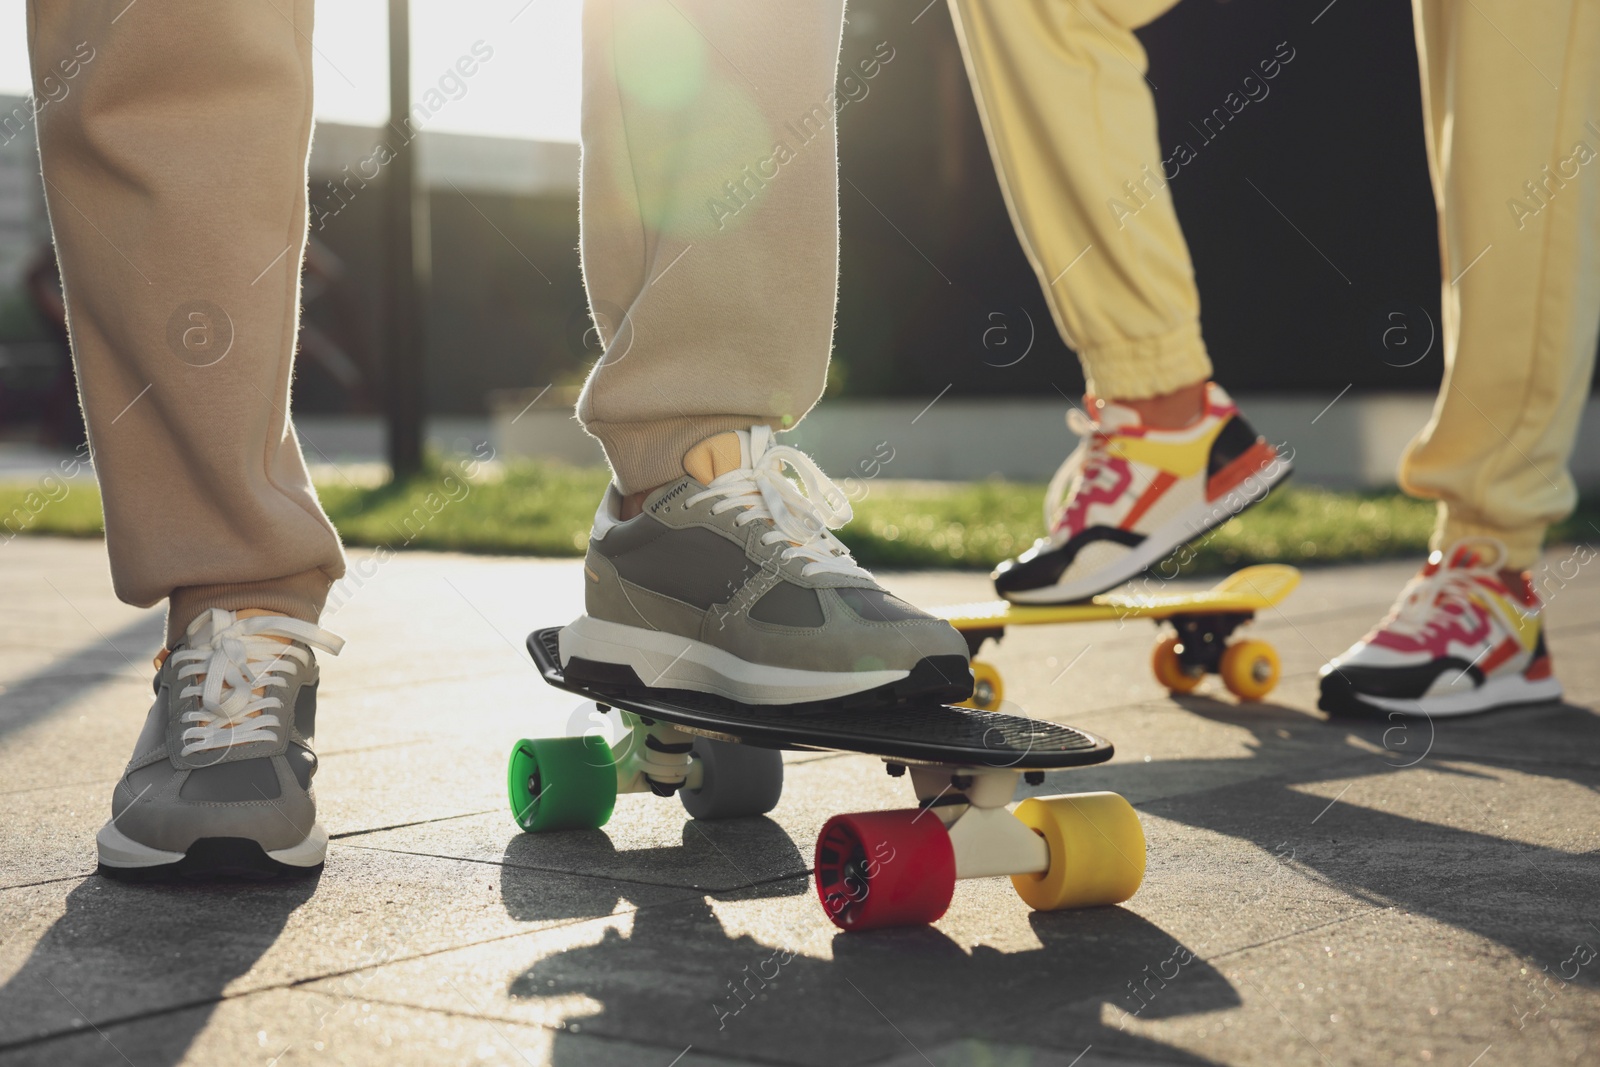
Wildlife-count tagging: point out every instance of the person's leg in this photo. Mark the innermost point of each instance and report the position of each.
(1072, 130)
(710, 227)
(174, 170)
(1513, 137)
(177, 197)
(1514, 150)
(710, 253)
(1060, 85)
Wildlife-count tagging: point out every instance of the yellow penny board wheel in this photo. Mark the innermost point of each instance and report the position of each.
(987, 688)
(1096, 851)
(1169, 669)
(1250, 669)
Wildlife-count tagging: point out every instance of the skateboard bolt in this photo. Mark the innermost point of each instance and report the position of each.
(896, 770)
(1033, 777)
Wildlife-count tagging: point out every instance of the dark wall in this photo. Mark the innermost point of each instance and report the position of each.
(1336, 144)
(506, 305)
(1298, 294)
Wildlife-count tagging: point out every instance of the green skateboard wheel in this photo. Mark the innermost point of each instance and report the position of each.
(562, 783)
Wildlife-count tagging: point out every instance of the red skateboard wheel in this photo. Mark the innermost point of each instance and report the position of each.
(885, 868)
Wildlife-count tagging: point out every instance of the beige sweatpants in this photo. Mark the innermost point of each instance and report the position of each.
(175, 172)
(1511, 88)
(710, 220)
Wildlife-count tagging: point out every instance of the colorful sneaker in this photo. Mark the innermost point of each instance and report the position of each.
(1129, 495)
(220, 780)
(1458, 641)
(729, 582)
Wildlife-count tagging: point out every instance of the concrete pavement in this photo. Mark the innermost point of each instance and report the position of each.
(1317, 893)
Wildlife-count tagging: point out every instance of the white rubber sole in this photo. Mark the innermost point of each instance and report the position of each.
(668, 661)
(1189, 524)
(1505, 692)
(117, 849)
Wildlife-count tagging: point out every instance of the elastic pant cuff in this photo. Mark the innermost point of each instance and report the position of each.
(644, 455)
(299, 596)
(1148, 367)
(1523, 545)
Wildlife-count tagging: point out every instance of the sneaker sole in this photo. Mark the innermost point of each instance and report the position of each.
(594, 650)
(1160, 542)
(125, 859)
(1496, 694)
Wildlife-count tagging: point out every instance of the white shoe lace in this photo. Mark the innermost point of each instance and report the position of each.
(1425, 596)
(1088, 442)
(802, 518)
(238, 659)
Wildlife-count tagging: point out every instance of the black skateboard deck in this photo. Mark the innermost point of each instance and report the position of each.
(914, 733)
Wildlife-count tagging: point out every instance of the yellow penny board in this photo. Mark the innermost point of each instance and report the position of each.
(1247, 590)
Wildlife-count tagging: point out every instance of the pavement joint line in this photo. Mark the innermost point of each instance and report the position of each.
(742, 874)
(49, 881)
(300, 983)
(1366, 909)
(57, 785)
(702, 890)
(478, 1012)
(531, 1024)
(345, 835)
(86, 1019)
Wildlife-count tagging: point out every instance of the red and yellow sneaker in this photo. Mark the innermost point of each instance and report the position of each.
(1460, 640)
(1130, 494)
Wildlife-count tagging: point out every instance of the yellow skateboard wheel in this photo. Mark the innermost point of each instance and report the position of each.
(987, 688)
(1169, 670)
(1096, 851)
(1250, 669)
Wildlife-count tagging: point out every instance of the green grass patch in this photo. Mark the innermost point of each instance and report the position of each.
(536, 510)
(545, 510)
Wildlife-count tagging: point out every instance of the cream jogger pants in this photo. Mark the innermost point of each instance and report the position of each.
(175, 174)
(1060, 85)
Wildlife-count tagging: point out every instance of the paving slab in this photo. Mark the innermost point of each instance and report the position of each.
(1317, 890)
(294, 1028)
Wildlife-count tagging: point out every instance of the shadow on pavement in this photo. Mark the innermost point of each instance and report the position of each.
(754, 856)
(681, 979)
(124, 653)
(1535, 900)
(125, 952)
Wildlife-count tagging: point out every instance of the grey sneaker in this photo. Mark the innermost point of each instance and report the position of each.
(220, 779)
(729, 582)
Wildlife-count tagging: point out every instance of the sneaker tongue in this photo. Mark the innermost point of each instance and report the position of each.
(1111, 417)
(716, 456)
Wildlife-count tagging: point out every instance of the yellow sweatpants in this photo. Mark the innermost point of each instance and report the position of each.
(1513, 128)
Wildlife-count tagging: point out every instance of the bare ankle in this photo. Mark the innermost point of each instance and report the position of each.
(1170, 411)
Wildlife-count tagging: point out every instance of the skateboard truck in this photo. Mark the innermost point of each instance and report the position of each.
(656, 757)
(1201, 643)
